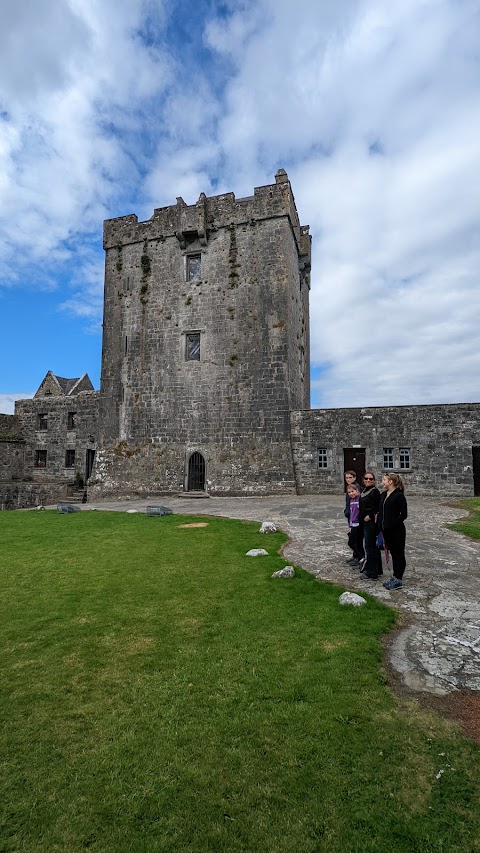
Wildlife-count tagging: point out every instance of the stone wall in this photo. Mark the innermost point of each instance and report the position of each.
(249, 304)
(57, 425)
(12, 447)
(439, 439)
(10, 427)
(24, 495)
(11, 459)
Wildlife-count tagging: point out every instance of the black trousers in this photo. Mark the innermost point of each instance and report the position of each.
(373, 566)
(395, 542)
(355, 542)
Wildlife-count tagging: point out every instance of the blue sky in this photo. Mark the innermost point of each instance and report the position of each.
(374, 109)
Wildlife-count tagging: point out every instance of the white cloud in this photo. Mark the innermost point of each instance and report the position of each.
(375, 112)
(84, 72)
(7, 401)
(373, 109)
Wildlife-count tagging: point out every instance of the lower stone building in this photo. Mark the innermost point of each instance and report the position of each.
(436, 449)
(47, 448)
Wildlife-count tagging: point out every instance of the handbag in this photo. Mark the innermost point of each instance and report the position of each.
(379, 542)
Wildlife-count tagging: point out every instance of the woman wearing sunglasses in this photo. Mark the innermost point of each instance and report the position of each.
(369, 503)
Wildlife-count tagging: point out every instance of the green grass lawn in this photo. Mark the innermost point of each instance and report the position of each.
(471, 524)
(161, 692)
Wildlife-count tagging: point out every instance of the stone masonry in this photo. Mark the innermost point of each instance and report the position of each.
(440, 441)
(205, 376)
(231, 275)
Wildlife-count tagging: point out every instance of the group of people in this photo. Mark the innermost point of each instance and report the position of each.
(376, 523)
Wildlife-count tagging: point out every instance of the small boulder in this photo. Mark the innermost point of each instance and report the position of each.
(287, 572)
(257, 552)
(352, 598)
(268, 527)
(131, 511)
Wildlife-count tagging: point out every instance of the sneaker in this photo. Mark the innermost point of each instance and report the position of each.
(365, 577)
(393, 583)
(351, 561)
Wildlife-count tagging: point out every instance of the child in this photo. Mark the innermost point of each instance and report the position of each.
(355, 535)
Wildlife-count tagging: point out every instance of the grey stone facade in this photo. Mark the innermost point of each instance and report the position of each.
(205, 376)
(234, 274)
(48, 447)
(59, 432)
(12, 448)
(433, 447)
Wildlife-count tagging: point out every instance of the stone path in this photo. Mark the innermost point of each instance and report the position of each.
(439, 650)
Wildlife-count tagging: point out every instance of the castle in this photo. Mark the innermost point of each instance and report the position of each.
(205, 376)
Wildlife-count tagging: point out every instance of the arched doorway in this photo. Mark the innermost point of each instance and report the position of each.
(196, 473)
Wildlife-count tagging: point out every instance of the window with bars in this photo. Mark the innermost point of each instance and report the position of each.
(388, 458)
(322, 457)
(71, 420)
(40, 460)
(42, 421)
(194, 267)
(404, 456)
(192, 346)
(69, 459)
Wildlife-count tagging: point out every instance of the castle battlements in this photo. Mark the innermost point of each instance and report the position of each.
(209, 214)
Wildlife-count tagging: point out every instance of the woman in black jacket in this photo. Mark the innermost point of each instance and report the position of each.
(391, 516)
(369, 503)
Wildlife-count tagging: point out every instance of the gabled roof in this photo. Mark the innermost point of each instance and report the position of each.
(59, 386)
(67, 385)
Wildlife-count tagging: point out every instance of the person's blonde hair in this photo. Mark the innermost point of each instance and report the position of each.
(396, 480)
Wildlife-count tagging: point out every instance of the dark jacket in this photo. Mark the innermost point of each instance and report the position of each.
(392, 512)
(369, 503)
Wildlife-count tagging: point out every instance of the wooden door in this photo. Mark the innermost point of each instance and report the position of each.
(354, 460)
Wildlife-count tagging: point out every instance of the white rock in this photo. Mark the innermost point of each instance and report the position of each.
(287, 572)
(352, 598)
(268, 527)
(132, 510)
(257, 552)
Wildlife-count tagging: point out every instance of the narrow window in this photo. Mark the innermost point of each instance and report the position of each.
(388, 458)
(40, 460)
(404, 454)
(322, 457)
(69, 459)
(71, 420)
(42, 422)
(194, 267)
(192, 352)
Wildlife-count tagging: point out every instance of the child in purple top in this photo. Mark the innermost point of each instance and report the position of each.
(355, 535)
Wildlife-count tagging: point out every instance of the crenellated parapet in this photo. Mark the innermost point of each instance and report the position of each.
(196, 221)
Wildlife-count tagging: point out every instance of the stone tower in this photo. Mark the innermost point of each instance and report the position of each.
(205, 346)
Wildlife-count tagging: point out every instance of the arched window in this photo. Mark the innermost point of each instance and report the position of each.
(196, 473)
